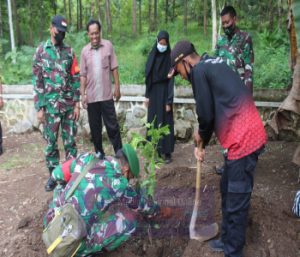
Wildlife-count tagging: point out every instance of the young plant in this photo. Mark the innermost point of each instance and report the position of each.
(148, 150)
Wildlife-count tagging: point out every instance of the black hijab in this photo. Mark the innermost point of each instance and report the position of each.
(162, 61)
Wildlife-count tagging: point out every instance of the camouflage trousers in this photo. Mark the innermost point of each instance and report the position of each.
(109, 234)
(53, 122)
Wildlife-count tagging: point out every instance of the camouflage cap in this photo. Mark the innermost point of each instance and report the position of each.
(132, 159)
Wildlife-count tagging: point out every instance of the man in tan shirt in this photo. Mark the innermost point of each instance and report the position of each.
(98, 63)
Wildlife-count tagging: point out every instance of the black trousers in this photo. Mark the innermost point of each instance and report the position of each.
(104, 110)
(236, 188)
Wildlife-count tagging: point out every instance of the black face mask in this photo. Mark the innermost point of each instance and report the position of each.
(229, 31)
(188, 74)
(59, 37)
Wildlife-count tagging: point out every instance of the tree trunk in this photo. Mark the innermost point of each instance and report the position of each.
(108, 17)
(214, 23)
(54, 6)
(65, 8)
(205, 17)
(1, 21)
(185, 18)
(80, 15)
(199, 17)
(150, 22)
(271, 16)
(98, 4)
(11, 27)
(134, 17)
(155, 15)
(16, 18)
(30, 24)
(140, 17)
(77, 15)
(42, 19)
(279, 11)
(70, 12)
(173, 10)
(167, 11)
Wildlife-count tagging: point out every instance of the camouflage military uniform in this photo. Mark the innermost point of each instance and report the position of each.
(56, 90)
(238, 54)
(101, 189)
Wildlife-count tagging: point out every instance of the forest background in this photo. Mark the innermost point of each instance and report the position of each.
(132, 26)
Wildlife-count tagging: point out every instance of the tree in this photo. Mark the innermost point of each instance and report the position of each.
(166, 11)
(80, 14)
(42, 19)
(150, 22)
(11, 27)
(65, 8)
(140, 17)
(108, 17)
(98, 4)
(205, 17)
(214, 23)
(30, 24)
(134, 17)
(17, 23)
(185, 17)
(1, 22)
(155, 15)
(70, 12)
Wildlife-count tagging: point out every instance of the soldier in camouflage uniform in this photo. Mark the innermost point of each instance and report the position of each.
(235, 47)
(104, 185)
(56, 94)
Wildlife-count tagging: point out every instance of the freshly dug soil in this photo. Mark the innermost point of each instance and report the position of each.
(272, 229)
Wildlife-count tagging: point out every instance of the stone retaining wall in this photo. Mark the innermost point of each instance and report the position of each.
(19, 116)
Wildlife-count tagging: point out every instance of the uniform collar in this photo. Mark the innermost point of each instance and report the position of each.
(49, 44)
(100, 45)
(236, 32)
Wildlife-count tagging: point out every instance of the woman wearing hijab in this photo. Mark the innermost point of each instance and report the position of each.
(160, 92)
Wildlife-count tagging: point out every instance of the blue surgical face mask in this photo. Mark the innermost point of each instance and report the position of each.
(161, 48)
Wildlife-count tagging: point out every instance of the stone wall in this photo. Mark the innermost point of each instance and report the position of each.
(19, 115)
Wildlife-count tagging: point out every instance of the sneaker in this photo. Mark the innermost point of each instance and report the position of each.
(100, 156)
(216, 245)
(220, 170)
(51, 184)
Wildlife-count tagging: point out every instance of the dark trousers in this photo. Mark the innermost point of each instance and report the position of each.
(1, 141)
(236, 189)
(105, 110)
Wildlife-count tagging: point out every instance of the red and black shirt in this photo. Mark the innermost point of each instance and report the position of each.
(225, 106)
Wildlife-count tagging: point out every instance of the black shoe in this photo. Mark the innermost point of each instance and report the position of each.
(220, 170)
(99, 155)
(168, 158)
(216, 245)
(51, 184)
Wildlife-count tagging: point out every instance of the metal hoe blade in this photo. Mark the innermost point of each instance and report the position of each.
(208, 231)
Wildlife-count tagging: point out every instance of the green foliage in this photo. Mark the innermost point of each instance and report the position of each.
(271, 69)
(148, 151)
(132, 51)
(271, 66)
(17, 66)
